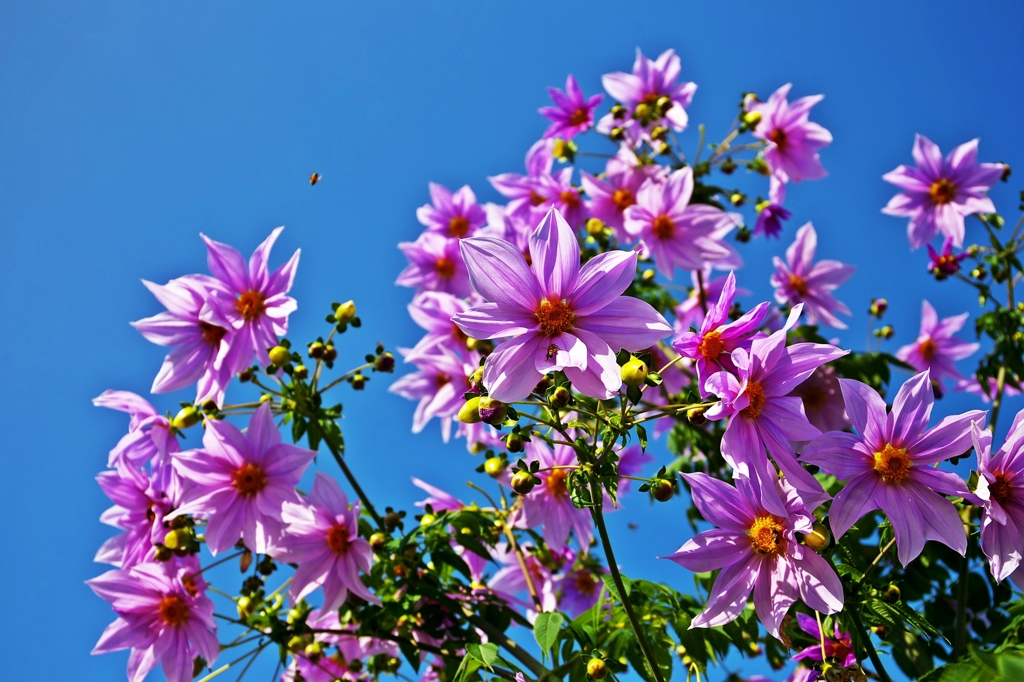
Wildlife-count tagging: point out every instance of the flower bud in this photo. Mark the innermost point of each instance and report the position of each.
(617, 133)
(477, 448)
(477, 377)
(892, 594)
(648, 275)
(385, 362)
(316, 350)
(642, 111)
(330, 354)
(522, 482)
(634, 372)
(300, 372)
(661, 490)
(346, 312)
(163, 554)
(314, 651)
(245, 607)
(595, 227)
(752, 118)
(1005, 177)
(664, 103)
(885, 332)
(279, 355)
(358, 382)
(880, 630)
(491, 411)
(878, 307)
(427, 519)
(296, 644)
(470, 412)
(761, 205)
(495, 465)
(728, 167)
(818, 539)
(392, 520)
(596, 669)
(618, 111)
(695, 415)
(737, 198)
(659, 133)
(177, 539)
(514, 442)
(560, 397)
(377, 540)
(186, 417)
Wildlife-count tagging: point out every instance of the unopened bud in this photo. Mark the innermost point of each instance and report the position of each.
(737, 198)
(1005, 177)
(695, 415)
(358, 382)
(377, 540)
(892, 594)
(186, 417)
(885, 332)
(279, 355)
(494, 466)
(979, 272)
(163, 553)
(244, 561)
(664, 103)
(355, 665)
(316, 350)
(596, 669)
(477, 377)
(752, 118)
(385, 362)
(330, 354)
(595, 227)
(470, 412)
(392, 520)
(492, 411)
(880, 630)
(818, 538)
(245, 607)
(300, 372)
(514, 442)
(346, 312)
(642, 111)
(634, 372)
(648, 275)
(522, 482)
(728, 167)
(661, 490)
(560, 397)
(314, 651)
(618, 111)
(296, 644)
(878, 307)
(617, 133)
(427, 519)
(659, 133)
(177, 539)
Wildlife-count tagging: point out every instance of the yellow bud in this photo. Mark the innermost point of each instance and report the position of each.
(818, 538)
(470, 412)
(300, 372)
(346, 312)
(597, 669)
(279, 355)
(595, 227)
(634, 372)
(494, 466)
(186, 417)
(752, 118)
(177, 539)
(427, 519)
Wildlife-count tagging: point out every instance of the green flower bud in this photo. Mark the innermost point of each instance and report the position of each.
(892, 594)
(358, 382)
(427, 519)
(470, 412)
(385, 362)
(316, 350)
(300, 372)
(491, 411)
(346, 312)
(560, 397)
(296, 644)
(818, 538)
(279, 355)
(642, 111)
(186, 417)
(314, 651)
(494, 465)
(695, 415)
(522, 482)
(514, 442)
(634, 372)
(661, 490)
(596, 669)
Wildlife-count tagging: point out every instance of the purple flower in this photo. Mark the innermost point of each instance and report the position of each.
(557, 191)
(322, 537)
(563, 317)
(792, 141)
(973, 386)
(439, 500)
(579, 589)
(1001, 487)
(944, 264)
(163, 619)
(433, 311)
(649, 82)
(936, 349)
(757, 549)
(573, 113)
(771, 213)
(252, 301)
(674, 232)
(139, 510)
(888, 464)
(521, 190)
(764, 416)
(350, 648)
(240, 481)
(549, 504)
(453, 215)
(840, 647)
(439, 385)
(801, 281)
(610, 198)
(823, 400)
(712, 346)
(434, 265)
(199, 346)
(149, 439)
(509, 583)
(690, 313)
(938, 193)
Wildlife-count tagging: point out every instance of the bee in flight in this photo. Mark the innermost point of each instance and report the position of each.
(314, 178)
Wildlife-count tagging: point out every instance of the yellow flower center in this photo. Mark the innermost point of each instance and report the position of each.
(445, 268)
(711, 346)
(570, 198)
(555, 317)
(663, 227)
(893, 463)
(458, 226)
(250, 305)
(337, 539)
(927, 349)
(623, 199)
(766, 535)
(942, 191)
(173, 610)
(556, 482)
(798, 284)
(249, 480)
(755, 393)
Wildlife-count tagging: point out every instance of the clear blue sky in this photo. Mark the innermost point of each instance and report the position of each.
(126, 128)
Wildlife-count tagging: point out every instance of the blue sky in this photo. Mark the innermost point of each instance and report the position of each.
(126, 128)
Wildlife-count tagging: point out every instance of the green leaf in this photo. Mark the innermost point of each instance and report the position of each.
(546, 628)
(641, 434)
(981, 666)
(486, 654)
(609, 582)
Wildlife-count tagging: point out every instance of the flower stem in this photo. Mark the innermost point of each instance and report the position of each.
(613, 568)
(865, 640)
(523, 567)
(332, 446)
(498, 637)
(960, 643)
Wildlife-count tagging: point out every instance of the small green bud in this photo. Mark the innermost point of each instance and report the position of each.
(618, 111)
(427, 519)
(495, 465)
(522, 482)
(642, 111)
(470, 412)
(595, 227)
(596, 669)
(560, 397)
(818, 538)
(661, 490)
(346, 312)
(491, 411)
(279, 355)
(728, 167)
(476, 377)
(514, 442)
(296, 644)
(186, 417)
(245, 607)
(634, 372)
(617, 133)
(659, 133)
(330, 354)
(878, 307)
(300, 372)
(695, 415)
(377, 540)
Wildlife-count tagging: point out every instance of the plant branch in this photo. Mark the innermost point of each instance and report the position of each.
(332, 446)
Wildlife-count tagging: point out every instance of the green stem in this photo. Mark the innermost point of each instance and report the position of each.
(960, 643)
(498, 637)
(367, 505)
(613, 568)
(865, 640)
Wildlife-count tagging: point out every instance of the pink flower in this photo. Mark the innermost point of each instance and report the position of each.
(434, 265)
(563, 317)
(163, 619)
(799, 280)
(610, 198)
(439, 385)
(839, 647)
(674, 232)
(322, 537)
(940, 192)
(936, 349)
(757, 550)
(252, 301)
(771, 213)
(139, 509)
(792, 140)
(690, 313)
(453, 215)
(241, 481)
(522, 189)
(433, 311)
(944, 264)
(573, 113)
(549, 504)
(1001, 487)
(649, 82)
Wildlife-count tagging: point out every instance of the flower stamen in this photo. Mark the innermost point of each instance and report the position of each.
(445, 268)
(555, 317)
(556, 482)
(942, 191)
(623, 199)
(798, 284)
(927, 349)
(893, 463)
(711, 346)
(458, 227)
(249, 480)
(212, 334)
(337, 539)
(755, 394)
(663, 227)
(766, 535)
(173, 610)
(250, 305)
(1000, 489)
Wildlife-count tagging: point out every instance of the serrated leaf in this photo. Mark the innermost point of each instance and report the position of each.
(546, 628)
